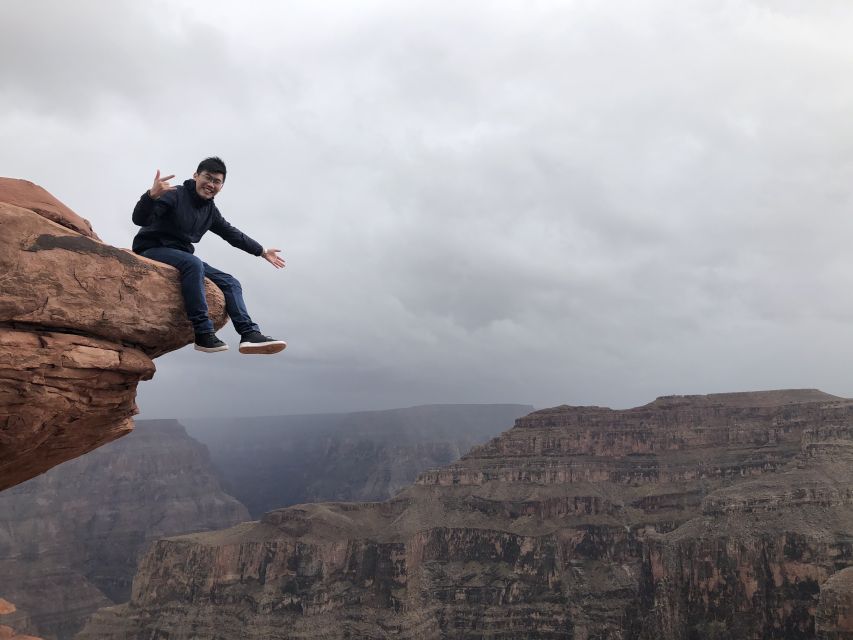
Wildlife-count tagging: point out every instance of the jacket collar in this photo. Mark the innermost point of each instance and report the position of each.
(197, 200)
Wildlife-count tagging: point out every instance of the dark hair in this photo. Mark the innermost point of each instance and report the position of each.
(212, 165)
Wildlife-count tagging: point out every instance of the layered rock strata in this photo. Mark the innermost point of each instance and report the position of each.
(80, 322)
(691, 517)
(70, 539)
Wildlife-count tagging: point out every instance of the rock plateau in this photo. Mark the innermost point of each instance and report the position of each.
(80, 322)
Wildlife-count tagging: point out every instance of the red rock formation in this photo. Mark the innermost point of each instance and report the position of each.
(691, 517)
(79, 323)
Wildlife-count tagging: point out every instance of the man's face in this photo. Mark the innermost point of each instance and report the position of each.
(208, 184)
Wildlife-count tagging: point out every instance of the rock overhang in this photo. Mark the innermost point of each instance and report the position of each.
(80, 322)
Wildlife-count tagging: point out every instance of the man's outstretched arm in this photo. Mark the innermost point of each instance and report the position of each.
(236, 238)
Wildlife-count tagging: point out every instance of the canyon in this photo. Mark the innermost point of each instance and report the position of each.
(276, 461)
(713, 516)
(70, 539)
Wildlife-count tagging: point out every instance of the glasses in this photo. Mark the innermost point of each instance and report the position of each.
(209, 178)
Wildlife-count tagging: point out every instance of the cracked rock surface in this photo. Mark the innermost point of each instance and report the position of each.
(80, 322)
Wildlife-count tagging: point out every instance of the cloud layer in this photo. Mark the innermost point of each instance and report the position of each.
(540, 202)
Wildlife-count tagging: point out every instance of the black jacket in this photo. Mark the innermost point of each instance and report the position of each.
(180, 217)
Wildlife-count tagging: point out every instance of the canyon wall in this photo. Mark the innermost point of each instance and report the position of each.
(691, 517)
(70, 539)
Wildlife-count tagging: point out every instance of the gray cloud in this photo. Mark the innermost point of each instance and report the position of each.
(549, 202)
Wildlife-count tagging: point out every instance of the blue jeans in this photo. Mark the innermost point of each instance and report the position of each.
(193, 272)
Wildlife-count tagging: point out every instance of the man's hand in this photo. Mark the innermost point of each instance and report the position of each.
(161, 185)
(270, 256)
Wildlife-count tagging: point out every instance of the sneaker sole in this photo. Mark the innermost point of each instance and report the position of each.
(211, 349)
(263, 347)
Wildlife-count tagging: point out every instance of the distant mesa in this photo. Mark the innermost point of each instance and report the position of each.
(80, 321)
(771, 398)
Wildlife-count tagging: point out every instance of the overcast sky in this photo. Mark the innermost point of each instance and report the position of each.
(544, 202)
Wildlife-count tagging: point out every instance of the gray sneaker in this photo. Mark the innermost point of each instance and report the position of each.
(209, 343)
(256, 342)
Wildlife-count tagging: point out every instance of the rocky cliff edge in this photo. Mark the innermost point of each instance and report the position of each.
(80, 322)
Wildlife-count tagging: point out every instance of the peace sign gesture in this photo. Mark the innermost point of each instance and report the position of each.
(161, 185)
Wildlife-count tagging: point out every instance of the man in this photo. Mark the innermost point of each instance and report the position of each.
(172, 219)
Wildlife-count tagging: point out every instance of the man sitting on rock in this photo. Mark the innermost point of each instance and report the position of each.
(172, 219)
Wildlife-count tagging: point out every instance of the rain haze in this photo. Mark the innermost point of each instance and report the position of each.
(534, 202)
